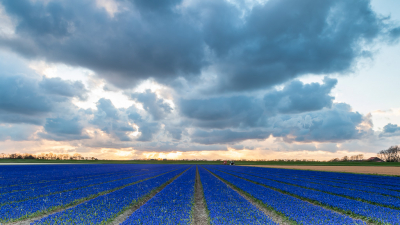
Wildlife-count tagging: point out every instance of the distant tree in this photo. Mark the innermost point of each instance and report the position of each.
(29, 156)
(391, 154)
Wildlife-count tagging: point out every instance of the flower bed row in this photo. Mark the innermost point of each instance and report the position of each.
(170, 206)
(375, 212)
(226, 206)
(106, 207)
(35, 206)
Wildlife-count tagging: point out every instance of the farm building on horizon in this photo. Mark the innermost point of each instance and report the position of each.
(374, 159)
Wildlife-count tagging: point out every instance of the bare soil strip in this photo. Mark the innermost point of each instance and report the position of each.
(375, 170)
(200, 215)
(122, 217)
(274, 216)
(40, 215)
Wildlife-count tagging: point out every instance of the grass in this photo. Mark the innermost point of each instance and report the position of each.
(243, 163)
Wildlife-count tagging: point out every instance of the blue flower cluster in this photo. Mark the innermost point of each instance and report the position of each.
(346, 191)
(42, 204)
(27, 175)
(170, 206)
(375, 212)
(40, 190)
(370, 183)
(373, 181)
(295, 209)
(226, 206)
(106, 207)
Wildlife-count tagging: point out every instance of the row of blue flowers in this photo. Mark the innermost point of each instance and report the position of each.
(378, 213)
(346, 189)
(26, 175)
(26, 208)
(170, 206)
(35, 181)
(106, 207)
(37, 191)
(374, 181)
(226, 206)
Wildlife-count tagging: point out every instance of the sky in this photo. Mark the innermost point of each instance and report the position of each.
(200, 79)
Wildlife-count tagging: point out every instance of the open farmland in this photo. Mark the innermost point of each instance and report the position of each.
(193, 194)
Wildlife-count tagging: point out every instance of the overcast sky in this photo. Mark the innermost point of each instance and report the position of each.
(232, 79)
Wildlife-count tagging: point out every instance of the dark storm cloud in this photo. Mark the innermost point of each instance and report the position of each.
(223, 112)
(20, 95)
(226, 136)
(60, 87)
(245, 111)
(157, 107)
(62, 129)
(245, 49)
(132, 46)
(25, 101)
(390, 130)
(297, 97)
(328, 125)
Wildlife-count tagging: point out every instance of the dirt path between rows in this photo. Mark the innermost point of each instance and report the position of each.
(200, 215)
(377, 170)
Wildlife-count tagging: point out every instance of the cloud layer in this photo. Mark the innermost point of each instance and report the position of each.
(223, 74)
(242, 47)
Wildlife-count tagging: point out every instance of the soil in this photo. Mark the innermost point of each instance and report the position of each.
(350, 169)
(200, 215)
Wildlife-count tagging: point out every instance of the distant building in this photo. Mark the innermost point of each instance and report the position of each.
(374, 159)
(164, 159)
(152, 159)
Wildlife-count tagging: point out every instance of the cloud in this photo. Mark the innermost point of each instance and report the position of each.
(337, 124)
(157, 107)
(222, 112)
(16, 132)
(390, 130)
(63, 129)
(30, 101)
(249, 111)
(297, 97)
(242, 48)
(328, 125)
(27, 100)
(56, 86)
(110, 120)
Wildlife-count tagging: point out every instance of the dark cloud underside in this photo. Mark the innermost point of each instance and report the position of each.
(246, 49)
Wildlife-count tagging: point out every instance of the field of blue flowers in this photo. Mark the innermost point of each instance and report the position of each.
(165, 194)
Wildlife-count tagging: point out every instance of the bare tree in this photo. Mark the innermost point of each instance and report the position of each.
(391, 154)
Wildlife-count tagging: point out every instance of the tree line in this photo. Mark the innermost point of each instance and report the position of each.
(391, 154)
(46, 156)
